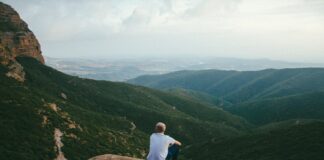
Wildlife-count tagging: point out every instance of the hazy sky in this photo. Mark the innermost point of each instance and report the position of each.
(277, 29)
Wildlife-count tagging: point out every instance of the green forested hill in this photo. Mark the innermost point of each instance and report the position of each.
(239, 87)
(201, 97)
(300, 141)
(96, 117)
(259, 96)
(306, 106)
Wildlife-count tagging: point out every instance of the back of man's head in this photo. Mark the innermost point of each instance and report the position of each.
(160, 127)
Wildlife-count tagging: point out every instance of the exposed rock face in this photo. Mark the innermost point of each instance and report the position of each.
(15, 37)
(112, 157)
(16, 71)
(58, 144)
(63, 95)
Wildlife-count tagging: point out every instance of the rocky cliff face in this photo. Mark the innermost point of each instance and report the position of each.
(15, 37)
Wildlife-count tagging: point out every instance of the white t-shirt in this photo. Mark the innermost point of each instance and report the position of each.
(159, 144)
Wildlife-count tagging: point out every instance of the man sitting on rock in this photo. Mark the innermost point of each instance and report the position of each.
(162, 146)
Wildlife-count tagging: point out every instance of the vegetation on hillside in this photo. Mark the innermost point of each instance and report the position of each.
(305, 106)
(96, 117)
(100, 117)
(295, 142)
(201, 97)
(237, 87)
(259, 96)
(286, 104)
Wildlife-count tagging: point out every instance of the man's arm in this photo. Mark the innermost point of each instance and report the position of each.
(173, 141)
(177, 143)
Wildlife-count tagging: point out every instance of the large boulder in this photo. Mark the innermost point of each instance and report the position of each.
(112, 157)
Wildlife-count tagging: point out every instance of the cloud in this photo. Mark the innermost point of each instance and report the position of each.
(290, 29)
(64, 19)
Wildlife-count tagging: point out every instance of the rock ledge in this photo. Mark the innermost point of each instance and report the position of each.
(112, 157)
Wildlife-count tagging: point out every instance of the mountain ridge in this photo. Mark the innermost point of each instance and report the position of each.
(239, 86)
(261, 97)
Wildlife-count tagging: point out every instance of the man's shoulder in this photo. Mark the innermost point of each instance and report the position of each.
(160, 135)
(169, 137)
(154, 135)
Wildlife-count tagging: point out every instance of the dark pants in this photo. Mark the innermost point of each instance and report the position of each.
(173, 152)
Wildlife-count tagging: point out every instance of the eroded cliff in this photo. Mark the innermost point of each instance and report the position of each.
(15, 37)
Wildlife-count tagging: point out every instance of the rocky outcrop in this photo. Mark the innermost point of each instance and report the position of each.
(15, 37)
(58, 144)
(16, 71)
(112, 157)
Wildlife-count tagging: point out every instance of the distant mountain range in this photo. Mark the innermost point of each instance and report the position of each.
(125, 69)
(260, 96)
(240, 86)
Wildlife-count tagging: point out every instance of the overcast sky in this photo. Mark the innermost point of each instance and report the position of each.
(291, 30)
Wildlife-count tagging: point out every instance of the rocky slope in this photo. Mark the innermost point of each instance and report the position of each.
(16, 40)
(15, 37)
(112, 157)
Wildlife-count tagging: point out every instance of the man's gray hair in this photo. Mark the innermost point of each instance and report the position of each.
(160, 127)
